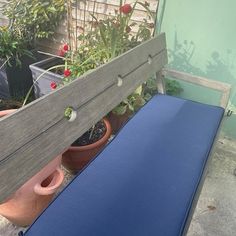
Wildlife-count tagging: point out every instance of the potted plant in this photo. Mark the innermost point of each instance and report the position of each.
(13, 48)
(107, 39)
(116, 36)
(86, 147)
(29, 22)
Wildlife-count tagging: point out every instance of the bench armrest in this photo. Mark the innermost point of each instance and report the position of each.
(224, 88)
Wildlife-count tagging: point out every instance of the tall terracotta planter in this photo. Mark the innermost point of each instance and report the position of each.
(117, 121)
(77, 157)
(22, 207)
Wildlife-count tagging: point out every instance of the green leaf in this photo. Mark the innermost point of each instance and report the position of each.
(120, 109)
(139, 90)
(147, 96)
(102, 29)
(114, 37)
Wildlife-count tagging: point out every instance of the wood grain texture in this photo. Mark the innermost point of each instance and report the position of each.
(38, 132)
(224, 88)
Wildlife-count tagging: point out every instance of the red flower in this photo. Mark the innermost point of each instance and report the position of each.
(61, 53)
(126, 9)
(67, 73)
(53, 85)
(66, 47)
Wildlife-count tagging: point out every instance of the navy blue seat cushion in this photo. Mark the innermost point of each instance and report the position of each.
(144, 181)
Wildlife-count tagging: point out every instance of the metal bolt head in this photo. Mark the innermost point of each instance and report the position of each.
(149, 59)
(119, 81)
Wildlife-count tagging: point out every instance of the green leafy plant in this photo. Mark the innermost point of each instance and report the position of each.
(29, 21)
(34, 19)
(172, 87)
(11, 45)
(131, 104)
(105, 40)
(114, 35)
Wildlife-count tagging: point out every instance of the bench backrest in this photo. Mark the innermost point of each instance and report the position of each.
(38, 132)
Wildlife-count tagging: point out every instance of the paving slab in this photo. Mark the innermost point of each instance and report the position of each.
(215, 214)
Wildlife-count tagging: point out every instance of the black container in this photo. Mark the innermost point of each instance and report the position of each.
(15, 80)
(4, 89)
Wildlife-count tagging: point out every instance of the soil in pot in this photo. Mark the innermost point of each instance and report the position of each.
(90, 143)
(9, 104)
(92, 135)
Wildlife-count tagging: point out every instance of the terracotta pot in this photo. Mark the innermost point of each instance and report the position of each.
(22, 207)
(6, 112)
(76, 157)
(117, 121)
(33, 197)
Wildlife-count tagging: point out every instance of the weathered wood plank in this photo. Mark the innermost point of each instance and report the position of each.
(38, 132)
(80, 92)
(224, 88)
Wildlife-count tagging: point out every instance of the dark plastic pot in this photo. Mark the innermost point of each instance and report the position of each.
(17, 80)
(4, 89)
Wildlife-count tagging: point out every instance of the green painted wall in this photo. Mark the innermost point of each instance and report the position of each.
(201, 38)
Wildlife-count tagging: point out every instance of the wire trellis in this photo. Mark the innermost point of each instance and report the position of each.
(80, 20)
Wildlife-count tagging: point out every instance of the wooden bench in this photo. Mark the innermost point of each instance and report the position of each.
(147, 180)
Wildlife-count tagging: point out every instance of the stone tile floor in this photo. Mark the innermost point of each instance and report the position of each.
(215, 214)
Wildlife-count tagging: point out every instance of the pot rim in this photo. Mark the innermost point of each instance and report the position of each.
(58, 177)
(6, 112)
(97, 143)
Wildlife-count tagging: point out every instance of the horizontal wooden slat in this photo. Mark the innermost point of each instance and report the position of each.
(38, 132)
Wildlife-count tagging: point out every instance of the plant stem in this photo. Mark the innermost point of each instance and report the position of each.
(91, 132)
(30, 90)
(4, 63)
(50, 54)
(51, 68)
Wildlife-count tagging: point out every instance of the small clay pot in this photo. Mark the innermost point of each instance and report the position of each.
(77, 157)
